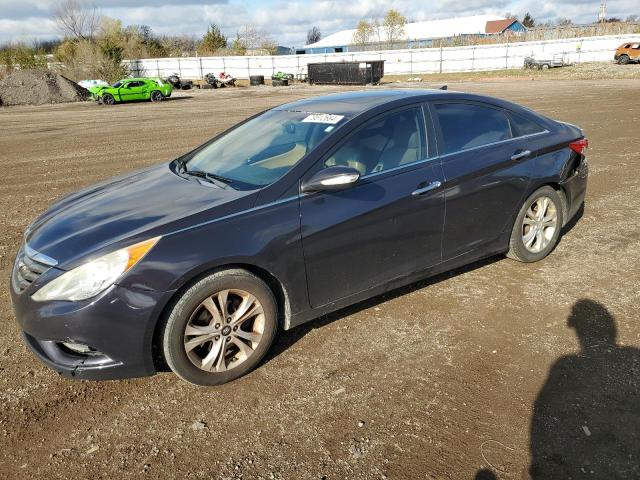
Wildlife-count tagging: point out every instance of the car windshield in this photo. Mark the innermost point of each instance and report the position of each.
(264, 148)
(117, 85)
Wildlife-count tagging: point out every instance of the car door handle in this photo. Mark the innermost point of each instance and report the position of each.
(431, 186)
(520, 155)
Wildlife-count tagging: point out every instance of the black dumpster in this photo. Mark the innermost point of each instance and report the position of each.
(346, 73)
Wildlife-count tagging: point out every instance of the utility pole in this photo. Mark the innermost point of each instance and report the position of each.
(602, 15)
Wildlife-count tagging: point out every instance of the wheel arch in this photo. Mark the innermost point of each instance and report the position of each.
(274, 284)
(557, 186)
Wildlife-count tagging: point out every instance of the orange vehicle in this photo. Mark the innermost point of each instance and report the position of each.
(627, 52)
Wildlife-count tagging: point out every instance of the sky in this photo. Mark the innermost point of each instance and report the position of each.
(286, 22)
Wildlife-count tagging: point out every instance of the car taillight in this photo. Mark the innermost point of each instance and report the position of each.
(579, 146)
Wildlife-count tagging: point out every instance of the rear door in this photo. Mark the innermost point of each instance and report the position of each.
(386, 226)
(486, 173)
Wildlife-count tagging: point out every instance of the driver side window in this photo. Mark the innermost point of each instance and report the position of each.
(391, 141)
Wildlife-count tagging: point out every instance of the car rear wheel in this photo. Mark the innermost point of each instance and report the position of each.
(220, 328)
(623, 59)
(108, 99)
(537, 227)
(156, 96)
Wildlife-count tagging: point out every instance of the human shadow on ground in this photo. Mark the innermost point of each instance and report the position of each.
(586, 418)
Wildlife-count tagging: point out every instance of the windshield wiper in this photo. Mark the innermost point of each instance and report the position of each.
(208, 176)
(182, 168)
(182, 165)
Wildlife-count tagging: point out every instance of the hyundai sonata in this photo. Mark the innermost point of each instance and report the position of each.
(293, 213)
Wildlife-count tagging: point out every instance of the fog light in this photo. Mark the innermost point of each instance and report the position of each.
(80, 348)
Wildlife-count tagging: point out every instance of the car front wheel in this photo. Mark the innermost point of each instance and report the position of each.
(623, 59)
(537, 227)
(220, 328)
(108, 99)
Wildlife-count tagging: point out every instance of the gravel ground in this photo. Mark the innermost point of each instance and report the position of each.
(39, 87)
(473, 374)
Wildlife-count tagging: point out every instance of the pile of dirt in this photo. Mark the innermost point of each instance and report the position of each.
(38, 87)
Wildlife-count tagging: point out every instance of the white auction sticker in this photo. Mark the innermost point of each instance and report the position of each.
(323, 118)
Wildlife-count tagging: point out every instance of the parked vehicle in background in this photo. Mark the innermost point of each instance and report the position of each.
(627, 53)
(133, 89)
(220, 80)
(545, 64)
(281, 79)
(296, 212)
(179, 84)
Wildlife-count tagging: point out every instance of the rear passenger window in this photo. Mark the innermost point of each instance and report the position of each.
(521, 126)
(466, 126)
(391, 141)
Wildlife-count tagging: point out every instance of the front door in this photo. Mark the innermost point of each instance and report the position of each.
(132, 91)
(386, 226)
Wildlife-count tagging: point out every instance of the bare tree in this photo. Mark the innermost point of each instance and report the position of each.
(313, 35)
(250, 37)
(76, 19)
(377, 29)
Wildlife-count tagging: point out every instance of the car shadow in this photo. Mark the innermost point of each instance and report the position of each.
(287, 338)
(181, 97)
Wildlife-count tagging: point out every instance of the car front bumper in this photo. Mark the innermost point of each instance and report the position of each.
(118, 325)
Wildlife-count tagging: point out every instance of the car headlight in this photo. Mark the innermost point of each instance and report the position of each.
(93, 277)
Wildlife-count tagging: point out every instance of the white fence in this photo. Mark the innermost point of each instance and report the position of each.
(414, 61)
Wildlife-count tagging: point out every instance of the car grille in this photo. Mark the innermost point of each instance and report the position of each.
(28, 267)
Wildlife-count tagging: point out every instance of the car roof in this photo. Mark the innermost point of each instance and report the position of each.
(353, 103)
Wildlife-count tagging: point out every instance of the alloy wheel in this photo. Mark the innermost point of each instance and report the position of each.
(539, 224)
(224, 330)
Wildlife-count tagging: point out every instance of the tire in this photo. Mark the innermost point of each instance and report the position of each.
(255, 80)
(545, 66)
(108, 99)
(532, 238)
(279, 83)
(623, 59)
(156, 96)
(203, 364)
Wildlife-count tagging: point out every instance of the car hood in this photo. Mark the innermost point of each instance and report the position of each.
(127, 209)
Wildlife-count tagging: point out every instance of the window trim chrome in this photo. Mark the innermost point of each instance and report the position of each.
(493, 143)
(440, 157)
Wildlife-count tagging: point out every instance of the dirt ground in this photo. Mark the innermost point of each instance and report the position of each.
(479, 373)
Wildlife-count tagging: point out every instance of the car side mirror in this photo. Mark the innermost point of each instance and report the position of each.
(332, 179)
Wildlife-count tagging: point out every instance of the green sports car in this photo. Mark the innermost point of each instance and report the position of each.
(132, 89)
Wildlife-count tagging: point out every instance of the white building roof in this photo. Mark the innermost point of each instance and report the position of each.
(418, 30)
